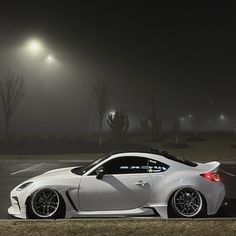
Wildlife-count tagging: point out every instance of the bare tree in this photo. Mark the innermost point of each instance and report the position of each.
(12, 90)
(101, 97)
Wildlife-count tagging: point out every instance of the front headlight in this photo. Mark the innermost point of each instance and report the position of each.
(21, 187)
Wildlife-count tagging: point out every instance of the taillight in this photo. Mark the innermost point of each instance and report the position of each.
(211, 176)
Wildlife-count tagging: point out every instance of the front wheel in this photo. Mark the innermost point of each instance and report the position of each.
(46, 204)
(188, 202)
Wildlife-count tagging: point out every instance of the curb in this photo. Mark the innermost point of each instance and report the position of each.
(116, 219)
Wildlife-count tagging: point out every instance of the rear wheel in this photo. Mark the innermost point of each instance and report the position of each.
(46, 204)
(188, 202)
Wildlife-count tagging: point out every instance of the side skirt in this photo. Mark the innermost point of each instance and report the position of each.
(145, 211)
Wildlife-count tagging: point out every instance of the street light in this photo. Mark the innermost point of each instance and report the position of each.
(44, 61)
(39, 60)
(34, 46)
(112, 113)
(50, 58)
(222, 117)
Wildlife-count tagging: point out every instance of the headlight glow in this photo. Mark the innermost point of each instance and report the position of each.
(21, 187)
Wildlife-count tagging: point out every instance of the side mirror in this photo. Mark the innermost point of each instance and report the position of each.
(100, 172)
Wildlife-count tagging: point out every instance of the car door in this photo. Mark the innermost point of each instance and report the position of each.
(125, 185)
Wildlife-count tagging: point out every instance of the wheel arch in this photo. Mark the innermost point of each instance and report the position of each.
(29, 213)
(171, 194)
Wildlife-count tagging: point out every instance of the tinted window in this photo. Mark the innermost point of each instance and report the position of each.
(156, 166)
(132, 165)
(126, 165)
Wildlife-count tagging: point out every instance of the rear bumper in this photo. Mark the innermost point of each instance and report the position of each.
(215, 196)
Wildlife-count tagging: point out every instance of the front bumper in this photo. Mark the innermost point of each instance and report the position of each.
(18, 214)
(18, 207)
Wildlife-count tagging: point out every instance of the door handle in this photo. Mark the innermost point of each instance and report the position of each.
(141, 183)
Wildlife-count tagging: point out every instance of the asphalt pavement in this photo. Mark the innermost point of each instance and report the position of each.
(13, 172)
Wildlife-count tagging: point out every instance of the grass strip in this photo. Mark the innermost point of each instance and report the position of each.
(120, 227)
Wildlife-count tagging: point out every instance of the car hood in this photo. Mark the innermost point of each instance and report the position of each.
(57, 174)
(58, 177)
(61, 171)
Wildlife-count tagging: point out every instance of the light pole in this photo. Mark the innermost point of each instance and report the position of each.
(44, 61)
(223, 121)
(89, 118)
(36, 48)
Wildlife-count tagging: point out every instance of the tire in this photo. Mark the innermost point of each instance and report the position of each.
(45, 204)
(187, 203)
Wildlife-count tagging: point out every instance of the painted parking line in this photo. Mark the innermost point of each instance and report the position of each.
(29, 168)
(228, 173)
(80, 161)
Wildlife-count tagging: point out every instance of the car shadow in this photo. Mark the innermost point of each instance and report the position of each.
(228, 209)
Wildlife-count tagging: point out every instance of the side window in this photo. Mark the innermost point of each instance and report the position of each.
(156, 166)
(126, 165)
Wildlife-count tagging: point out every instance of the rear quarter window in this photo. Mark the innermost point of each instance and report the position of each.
(156, 166)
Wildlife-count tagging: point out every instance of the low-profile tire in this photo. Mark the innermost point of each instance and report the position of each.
(187, 203)
(45, 204)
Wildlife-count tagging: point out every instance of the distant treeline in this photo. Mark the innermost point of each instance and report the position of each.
(52, 144)
(64, 144)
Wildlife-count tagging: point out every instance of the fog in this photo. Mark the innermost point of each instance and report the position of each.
(153, 54)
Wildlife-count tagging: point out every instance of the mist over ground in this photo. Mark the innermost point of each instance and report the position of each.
(144, 52)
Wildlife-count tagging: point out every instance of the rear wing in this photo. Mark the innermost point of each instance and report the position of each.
(212, 166)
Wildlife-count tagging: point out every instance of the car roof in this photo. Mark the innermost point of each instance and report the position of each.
(164, 154)
(138, 150)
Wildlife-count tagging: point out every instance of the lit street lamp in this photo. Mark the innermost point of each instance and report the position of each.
(34, 46)
(44, 62)
(222, 117)
(112, 113)
(37, 48)
(50, 58)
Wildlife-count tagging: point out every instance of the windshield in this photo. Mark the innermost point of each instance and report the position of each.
(84, 169)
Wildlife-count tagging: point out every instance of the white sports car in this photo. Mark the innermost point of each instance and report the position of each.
(123, 184)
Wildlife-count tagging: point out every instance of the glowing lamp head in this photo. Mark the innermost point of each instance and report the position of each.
(112, 113)
(49, 58)
(34, 46)
(222, 117)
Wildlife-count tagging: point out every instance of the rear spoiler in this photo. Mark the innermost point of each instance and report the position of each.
(210, 166)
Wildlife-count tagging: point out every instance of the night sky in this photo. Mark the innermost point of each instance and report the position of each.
(183, 55)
